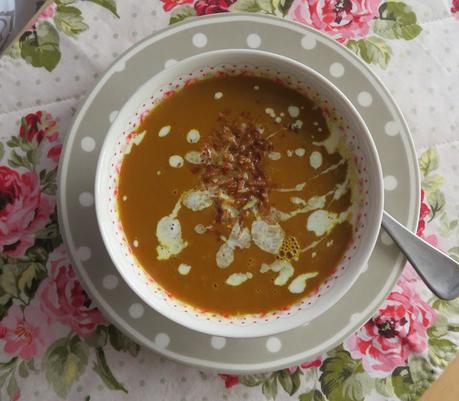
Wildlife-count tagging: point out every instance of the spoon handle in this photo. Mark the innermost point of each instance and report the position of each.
(439, 271)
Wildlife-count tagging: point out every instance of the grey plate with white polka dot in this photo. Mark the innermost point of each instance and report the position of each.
(78, 165)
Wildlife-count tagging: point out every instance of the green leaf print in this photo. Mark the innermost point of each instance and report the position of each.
(441, 352)
(120, 342)
(180, 13)
(14, 50)
(31, 365)
(372, 49)
(40, 47)
(411, 381)
(102, 369)
(5, 302)
(290, 382)
(8, 280)
(313, 395)
(282, 6)
(344, 378)
(252, 380)
(439, 329)
(447, 308)
(15, 160)
(23, 371)
(48, 181)
(432, 183)
(19, 279)
(428, 161)
(46, 240)
(436, 202)
(21, 143)
(98, 338)
(108, 4)
(253, 6)
(384, 387)
(9, 364)
(396, 21)
(2, 151)
(3, 377)
(269, 387)
(29, 279)
(12, 388)
(69, 20)
(64, 362)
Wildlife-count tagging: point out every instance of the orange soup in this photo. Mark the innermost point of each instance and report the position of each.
(236, 195)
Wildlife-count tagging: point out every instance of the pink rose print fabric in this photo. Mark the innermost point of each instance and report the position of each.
(305, 365)
(204, 7)
(23, 210)
(26, 333)
(398, 330)
(35, 127)
(341, 19)
(229, 380)
(455, 6)
(63, 298)
(168, 5)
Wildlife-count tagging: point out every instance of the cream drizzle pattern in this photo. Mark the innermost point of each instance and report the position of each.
(236, 279)
(267, 237)
(283, 267)
(169, 234)
(238, 239)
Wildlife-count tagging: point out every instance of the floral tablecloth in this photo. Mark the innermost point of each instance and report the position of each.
(56, 345)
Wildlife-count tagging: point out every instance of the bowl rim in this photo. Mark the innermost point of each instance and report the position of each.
(226, 330)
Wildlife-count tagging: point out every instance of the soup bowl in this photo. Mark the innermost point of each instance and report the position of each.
(351, 128)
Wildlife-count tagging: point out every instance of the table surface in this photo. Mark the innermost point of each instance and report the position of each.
(446, 388)
(56, 344)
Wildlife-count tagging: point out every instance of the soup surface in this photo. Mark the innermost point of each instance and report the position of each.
(236, 195)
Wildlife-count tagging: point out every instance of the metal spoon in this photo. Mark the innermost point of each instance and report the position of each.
(439, 271)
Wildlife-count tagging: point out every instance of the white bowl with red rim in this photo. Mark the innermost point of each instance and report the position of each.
(292, 74)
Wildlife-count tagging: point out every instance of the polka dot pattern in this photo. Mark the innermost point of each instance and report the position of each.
(136, 310)
(392, 128)
(86, 199)
(88, 144)
(273, 344)
(84, 253)
(199, 40)
(170, 62)
(365, 99)
(253, 41)
(390, 183)
(162, 340)
(308, 42)
(337, 70)
(110, 282)
(218, 342)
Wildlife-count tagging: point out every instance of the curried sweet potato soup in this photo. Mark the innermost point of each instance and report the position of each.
(236, 195)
